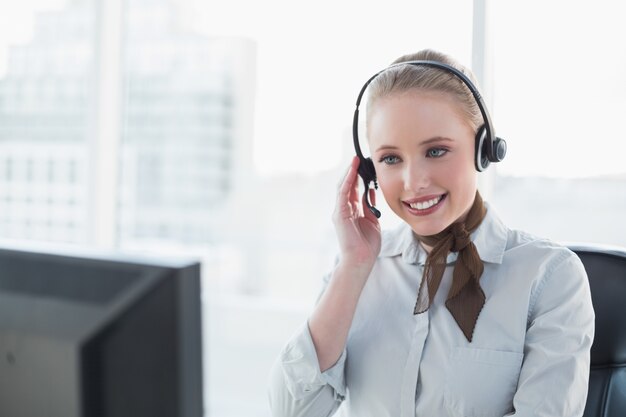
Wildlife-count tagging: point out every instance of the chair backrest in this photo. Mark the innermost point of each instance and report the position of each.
(606, 268)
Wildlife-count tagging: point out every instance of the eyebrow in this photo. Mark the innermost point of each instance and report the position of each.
(426, 142)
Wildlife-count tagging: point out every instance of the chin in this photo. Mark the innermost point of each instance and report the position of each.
(427, 230)
(426, 227)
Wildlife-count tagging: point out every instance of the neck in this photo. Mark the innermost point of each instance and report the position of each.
(426, 247)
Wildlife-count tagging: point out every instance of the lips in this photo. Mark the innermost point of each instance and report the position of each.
(424, 205)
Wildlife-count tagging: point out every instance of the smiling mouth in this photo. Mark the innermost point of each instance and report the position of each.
(425, 205)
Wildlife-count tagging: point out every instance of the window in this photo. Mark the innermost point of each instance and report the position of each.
(558, 101)
(42, 48)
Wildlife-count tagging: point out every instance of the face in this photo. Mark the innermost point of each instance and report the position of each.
(423, 152)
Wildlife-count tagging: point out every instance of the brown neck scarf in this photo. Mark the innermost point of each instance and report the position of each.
(465, 298)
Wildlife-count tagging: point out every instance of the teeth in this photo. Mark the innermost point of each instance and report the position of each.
(423, 205)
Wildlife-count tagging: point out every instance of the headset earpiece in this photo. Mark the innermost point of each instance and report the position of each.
(367, 170)
(368, 173)
(499, 150)
(481, 159)
(488, 151)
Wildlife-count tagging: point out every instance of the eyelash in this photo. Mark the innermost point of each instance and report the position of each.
(386, 157)
(445, 151)
(441, 152)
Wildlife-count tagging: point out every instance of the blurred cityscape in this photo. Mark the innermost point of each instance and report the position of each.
(186, 112)
(187, 183)
(44, 117)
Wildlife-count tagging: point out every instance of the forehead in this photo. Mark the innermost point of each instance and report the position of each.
(416, 113)
(416, 99)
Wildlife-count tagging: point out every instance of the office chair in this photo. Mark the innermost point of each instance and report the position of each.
(606, 268)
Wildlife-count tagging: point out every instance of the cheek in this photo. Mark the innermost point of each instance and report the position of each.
(464, 182)
(462, 173)
(390, 185)
(462, 167)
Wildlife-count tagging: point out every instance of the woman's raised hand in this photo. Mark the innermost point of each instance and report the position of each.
(357, 227)
(358, 231)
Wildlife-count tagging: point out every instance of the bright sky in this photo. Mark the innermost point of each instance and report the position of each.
(559, 111)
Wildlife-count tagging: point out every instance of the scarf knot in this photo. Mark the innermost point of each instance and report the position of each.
(460, 237)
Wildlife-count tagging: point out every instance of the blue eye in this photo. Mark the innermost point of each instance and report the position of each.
(389, 159)
(436, 152)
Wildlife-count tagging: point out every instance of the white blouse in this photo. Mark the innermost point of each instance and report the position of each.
(529, 355)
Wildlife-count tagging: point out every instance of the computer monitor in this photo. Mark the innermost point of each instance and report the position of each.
(99, 336)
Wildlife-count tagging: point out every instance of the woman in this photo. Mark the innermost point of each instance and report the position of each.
(451, 314)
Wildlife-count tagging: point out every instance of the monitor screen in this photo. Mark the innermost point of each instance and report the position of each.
(99, 336)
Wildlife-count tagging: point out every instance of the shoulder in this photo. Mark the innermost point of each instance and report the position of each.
(542, 253)
(546, 263)
(553, 273)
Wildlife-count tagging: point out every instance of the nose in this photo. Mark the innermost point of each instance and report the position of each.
(416, 176)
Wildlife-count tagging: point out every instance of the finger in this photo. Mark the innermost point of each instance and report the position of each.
(344, 177)
(349, 184)
(344, 184)
(354, 192)
(344, 206)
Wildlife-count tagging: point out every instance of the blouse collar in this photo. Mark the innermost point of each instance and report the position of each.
(490, 239)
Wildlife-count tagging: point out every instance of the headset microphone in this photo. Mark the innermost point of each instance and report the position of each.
(373, 209)
(488, 147)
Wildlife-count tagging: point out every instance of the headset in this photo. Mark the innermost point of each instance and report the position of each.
(489, 148)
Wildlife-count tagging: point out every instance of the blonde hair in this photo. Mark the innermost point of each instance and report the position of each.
(421, 77)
